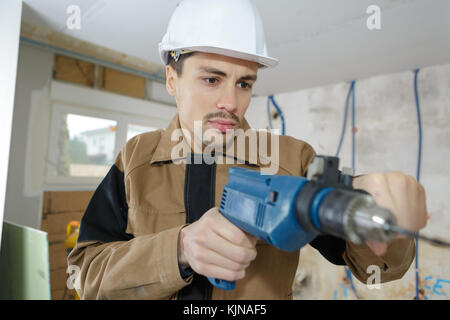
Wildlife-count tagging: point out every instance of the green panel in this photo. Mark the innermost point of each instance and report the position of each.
(24, 263)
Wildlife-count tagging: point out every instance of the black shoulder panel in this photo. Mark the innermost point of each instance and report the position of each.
(331, 247)
(199, 194)
(106, 216)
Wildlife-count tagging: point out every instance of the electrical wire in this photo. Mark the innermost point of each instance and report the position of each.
(269, 116)
(352, 86)
(344, 125)
(419, 160)
(352, 285)
(353, 127)
(280, 113)
(419, 123)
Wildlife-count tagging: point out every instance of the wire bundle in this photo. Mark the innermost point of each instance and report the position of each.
(351, 93)
(271, 99)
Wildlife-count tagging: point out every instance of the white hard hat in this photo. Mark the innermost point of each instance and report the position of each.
(228, 27)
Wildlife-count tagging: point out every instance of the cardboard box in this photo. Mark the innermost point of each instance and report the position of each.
(59, 208)
(56, 223)
(66, 201)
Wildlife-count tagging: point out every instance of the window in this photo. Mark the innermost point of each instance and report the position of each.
(83, 145)
(134, 130)
(86, 136)
(86, 157)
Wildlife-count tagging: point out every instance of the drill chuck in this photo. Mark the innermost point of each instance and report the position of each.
(346, 214)
(367, 221)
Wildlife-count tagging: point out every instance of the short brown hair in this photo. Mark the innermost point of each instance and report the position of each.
(178, 65)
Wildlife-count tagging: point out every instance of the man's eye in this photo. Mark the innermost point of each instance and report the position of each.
(211, 80)
(244, 85)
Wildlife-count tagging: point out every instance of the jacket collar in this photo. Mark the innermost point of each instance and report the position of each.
(165, 145)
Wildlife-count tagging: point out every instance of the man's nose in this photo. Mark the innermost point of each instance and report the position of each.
(228, 101)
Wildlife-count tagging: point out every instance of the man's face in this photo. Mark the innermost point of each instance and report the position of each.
(213, 89)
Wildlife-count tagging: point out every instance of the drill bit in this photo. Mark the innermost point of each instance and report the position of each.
(413, 234)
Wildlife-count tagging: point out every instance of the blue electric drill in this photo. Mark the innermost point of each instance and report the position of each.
(289, 211)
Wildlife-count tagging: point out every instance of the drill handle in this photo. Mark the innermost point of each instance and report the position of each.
(222, 284)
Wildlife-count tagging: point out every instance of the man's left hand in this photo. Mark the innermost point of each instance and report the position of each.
(399, 193)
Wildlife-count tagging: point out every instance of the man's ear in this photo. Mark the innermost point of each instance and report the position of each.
(171, 78)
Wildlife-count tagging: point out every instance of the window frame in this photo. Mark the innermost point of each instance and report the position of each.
(65, 99)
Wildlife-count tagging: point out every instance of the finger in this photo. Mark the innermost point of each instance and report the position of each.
(217, 272)
(403, 199)
(379, 248)
(422, 205)
(233, 234)
(230, 250)
(211, 257)
(377, 186)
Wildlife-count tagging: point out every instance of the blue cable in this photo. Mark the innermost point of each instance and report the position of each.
(352, 89)
(352, 286)
(353, 126)
(419, 122)
(419, 160)
(344, 126)
(269, 116)
(283, 126)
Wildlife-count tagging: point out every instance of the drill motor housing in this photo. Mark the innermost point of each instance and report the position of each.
(284, 210)
(288, 212)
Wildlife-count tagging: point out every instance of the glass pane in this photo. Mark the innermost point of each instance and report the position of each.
(134, 130)
(86, 146)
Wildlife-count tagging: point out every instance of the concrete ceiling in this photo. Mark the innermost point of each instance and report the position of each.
(318, 42)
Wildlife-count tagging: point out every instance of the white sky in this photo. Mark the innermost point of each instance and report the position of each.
(77, 124)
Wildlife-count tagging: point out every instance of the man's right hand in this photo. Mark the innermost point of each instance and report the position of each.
(214, 247)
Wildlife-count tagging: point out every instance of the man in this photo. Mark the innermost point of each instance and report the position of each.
(152, 229)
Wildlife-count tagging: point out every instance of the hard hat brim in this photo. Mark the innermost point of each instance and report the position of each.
(265, 62)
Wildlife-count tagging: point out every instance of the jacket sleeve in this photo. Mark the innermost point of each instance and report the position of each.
(392, 265)
(115, 265)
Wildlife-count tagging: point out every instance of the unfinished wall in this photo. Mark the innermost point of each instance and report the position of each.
(386, 140)
(29, 157)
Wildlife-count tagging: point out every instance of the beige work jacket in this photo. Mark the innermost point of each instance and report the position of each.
(127, 248)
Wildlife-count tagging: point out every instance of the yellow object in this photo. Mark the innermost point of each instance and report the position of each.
(73, 228)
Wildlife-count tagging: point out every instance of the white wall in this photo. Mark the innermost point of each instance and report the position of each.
(10, 17)
(386, 140)
(23, 206)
